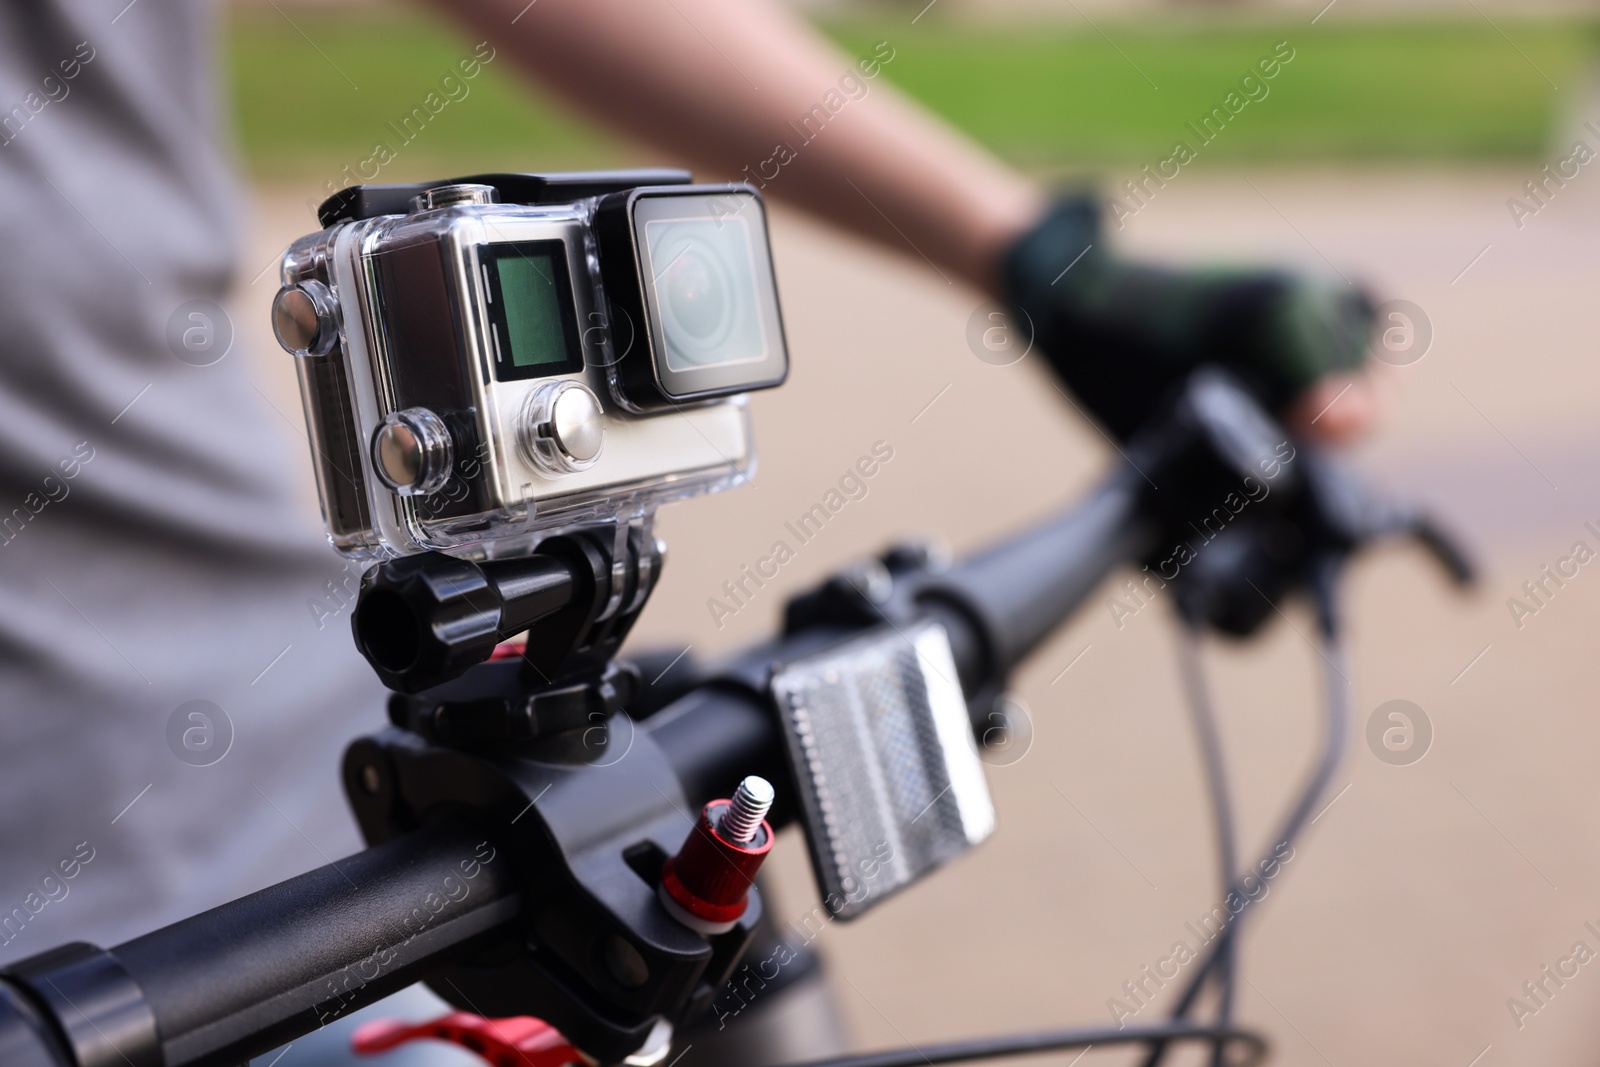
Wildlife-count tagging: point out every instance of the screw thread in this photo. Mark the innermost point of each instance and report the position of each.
(750, 804)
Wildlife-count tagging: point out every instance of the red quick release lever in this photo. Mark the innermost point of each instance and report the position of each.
(519, 1041)
(706, 886)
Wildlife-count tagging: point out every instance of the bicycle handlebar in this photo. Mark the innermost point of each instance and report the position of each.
(260, 971)
(265, 969)
(1019, 591)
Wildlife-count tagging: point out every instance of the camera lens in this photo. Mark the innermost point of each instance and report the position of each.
(694, 295)
(705, 291)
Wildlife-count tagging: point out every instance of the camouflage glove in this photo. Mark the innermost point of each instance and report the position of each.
(1122, 336)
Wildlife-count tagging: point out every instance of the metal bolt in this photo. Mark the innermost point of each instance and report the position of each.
(750, 804)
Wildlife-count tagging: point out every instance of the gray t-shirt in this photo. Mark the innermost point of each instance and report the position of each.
(157, 561)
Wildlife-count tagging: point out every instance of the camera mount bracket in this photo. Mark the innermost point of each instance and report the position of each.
(425, 620)
(583, 820)
(527, 743)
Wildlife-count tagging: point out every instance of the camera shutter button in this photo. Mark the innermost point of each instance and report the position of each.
(303, 319)
(564, 430)
(411, 452)
(575, 424)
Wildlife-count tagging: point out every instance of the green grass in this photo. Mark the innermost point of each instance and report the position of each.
(312, 107)
(1408, 91)
(1042, 97)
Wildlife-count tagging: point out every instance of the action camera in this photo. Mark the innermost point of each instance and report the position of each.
(487, 359)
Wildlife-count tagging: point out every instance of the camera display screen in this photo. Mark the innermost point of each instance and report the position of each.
(530, 301)
(709, 293)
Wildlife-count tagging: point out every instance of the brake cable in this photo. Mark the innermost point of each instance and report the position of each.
(985, 1048)
(1213, 760)
(1220, 960)
(1336, 722)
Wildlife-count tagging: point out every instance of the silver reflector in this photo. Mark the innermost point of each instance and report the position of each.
(882, 751)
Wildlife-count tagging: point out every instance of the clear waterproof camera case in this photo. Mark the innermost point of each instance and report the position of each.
(478, 372)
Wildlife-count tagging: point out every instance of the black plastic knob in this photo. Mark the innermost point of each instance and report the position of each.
(425, 619)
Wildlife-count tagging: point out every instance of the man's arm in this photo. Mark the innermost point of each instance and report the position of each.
(734, 84)
(733, 87)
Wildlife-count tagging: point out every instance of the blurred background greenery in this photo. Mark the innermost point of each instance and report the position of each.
(1048, 96)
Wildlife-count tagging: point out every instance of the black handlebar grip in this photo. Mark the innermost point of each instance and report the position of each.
(425, 619)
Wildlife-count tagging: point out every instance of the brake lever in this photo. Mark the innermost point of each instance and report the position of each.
(1238, 577)
(1444, 548)
(1358, 515)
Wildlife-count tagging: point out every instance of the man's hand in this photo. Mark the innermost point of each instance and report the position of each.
(1337, 410)
(1122, 336)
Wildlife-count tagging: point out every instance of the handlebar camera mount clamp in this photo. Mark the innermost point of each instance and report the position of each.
(525, 742)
